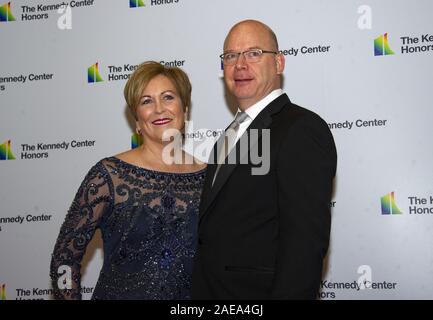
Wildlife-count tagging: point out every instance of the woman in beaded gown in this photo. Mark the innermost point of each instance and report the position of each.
(145, 206)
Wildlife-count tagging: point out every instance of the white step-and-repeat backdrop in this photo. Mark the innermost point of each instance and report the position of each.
(364, 66)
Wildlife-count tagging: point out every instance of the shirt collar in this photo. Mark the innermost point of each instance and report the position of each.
(256, 108)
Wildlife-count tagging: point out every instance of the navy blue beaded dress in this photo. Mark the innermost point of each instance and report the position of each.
(148, 221)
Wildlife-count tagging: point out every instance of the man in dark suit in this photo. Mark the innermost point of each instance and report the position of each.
(264, 236)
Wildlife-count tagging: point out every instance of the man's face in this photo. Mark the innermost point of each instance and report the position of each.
(251, 82)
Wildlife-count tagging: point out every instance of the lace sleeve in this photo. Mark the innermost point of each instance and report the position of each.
(93, 198)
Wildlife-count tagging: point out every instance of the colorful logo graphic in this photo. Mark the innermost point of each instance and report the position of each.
(381, 46)
(388, 204)
(5, 151)
(6, 13)
(93, 74)
(136, 140)
(3, 292)
(136, 3)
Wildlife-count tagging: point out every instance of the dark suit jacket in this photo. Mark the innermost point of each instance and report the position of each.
(265, 236)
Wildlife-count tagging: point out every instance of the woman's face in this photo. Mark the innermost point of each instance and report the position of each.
(159, 108)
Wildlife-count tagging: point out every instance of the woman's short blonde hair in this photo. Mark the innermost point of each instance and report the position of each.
(148, 70)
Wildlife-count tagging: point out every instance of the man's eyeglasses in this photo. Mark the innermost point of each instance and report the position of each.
(251, 56)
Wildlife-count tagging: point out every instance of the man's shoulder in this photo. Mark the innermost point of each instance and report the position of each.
(300, 126)
(293, 114)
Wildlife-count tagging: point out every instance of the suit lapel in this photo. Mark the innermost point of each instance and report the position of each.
(211, 168)
(262, 121)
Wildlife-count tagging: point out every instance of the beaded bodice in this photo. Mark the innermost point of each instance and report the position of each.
(148, 220)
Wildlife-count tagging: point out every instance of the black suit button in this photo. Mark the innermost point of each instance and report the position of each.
(200, 242)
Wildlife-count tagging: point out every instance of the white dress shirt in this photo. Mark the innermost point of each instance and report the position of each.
(255, 109)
